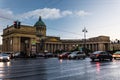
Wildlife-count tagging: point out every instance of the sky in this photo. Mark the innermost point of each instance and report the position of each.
(65, 18)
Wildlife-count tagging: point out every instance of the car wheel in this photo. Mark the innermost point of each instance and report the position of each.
(100, 59)
(69, 58)
(83, 57)
(114, 57)
(78, 57)
(92, 59)
(75, 57)
(110, 59)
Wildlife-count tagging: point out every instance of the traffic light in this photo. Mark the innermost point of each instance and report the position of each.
(17, 24)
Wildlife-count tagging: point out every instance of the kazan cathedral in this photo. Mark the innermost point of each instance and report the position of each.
(33, 39)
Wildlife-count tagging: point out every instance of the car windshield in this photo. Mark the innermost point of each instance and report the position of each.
(3, 54)
(65, 53)
(118, 52)
(49, 53)
(17, 54)
(80, 53)
(75, 52)
(97, 52)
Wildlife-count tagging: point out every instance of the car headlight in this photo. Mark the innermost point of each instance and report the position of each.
(8, 58)
(1, 57)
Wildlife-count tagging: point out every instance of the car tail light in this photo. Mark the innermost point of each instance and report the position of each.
(66, 54)
(60, 55)
(97, 55)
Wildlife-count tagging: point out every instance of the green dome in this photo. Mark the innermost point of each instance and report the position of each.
(39, 23)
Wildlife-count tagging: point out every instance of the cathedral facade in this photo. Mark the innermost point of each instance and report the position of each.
(33, 39)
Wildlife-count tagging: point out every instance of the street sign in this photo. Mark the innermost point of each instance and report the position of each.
(33, 49)
(33, 42)
(80, 48)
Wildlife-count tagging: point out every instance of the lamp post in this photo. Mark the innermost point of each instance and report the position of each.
(84, 31)
(26, 47)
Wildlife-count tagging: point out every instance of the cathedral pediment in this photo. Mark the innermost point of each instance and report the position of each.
(53, 39)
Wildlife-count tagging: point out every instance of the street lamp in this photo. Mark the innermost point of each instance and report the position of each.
(26, 47)
(85, 31)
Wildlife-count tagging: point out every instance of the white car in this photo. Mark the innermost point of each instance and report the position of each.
(77, 55)
(4, 57)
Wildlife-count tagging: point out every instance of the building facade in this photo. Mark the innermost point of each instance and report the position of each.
(33, 39)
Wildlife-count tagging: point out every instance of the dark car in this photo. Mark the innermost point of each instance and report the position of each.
(19, 55)
(64, 55)
(48, 55)
(101, 55)
(40, 55)
(24, 55)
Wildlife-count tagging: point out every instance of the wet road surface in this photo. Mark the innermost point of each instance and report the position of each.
(55, 69)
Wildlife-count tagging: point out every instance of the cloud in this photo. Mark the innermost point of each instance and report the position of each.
(82, 13)
(65, 13)
(6, 17)
(46, 13)
(6, 14)
(51, 13)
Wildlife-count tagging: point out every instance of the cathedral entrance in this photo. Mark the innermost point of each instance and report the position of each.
(25, 45)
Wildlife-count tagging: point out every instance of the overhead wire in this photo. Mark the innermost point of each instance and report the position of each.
(63, 31)
(6, 18)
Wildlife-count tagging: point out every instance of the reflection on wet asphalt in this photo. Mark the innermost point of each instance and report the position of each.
(55, 69)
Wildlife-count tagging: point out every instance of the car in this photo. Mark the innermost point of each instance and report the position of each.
(64, 55)
(101, 55)
(77, 55)
(40, 54)
(116, 54)
(48, 55)
(19, 55)
(4, 57)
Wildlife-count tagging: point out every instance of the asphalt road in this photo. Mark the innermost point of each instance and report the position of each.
(55, 69)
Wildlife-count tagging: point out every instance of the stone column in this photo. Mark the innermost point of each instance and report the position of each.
(101, 47)
(3, 46)
(88, 46)
(11, 44)
(47, 47)
(91, 47)
(19, 44)
(52, 47)
(8, 44)
(97, 47)
(60, 47)
(57, 46)
(16, 44)
(44, 46)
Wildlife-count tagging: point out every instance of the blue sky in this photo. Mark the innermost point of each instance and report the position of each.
(65, 18)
